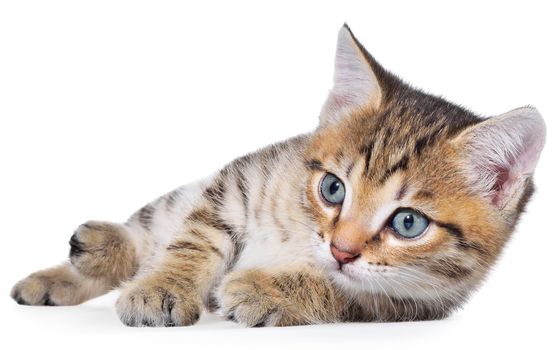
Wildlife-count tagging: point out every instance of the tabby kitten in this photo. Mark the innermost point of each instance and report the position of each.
(393, 209)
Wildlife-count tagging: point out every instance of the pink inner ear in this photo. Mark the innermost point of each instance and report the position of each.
(508, 175)
(503, 152)
(504, 181)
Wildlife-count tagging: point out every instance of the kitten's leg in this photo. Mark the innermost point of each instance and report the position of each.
(261, 297)
(174, 292)
(101, 257)
(61, 285)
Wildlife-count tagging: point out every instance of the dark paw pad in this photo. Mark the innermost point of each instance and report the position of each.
(76, 247)
(17, 297)
(45, 300)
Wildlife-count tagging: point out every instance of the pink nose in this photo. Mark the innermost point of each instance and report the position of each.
(343, 257)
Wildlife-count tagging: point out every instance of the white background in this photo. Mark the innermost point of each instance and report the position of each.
(105, 105)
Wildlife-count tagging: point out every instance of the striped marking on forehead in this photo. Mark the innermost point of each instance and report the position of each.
(387, 150)
(401, 164)
(366, 152)
(382, 169)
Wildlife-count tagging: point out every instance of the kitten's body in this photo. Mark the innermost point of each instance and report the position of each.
(257, 242)
(265, 227)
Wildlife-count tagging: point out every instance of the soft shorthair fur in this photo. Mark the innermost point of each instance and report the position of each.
(393, 209)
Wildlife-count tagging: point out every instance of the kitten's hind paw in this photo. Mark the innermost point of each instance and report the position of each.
(32, 291)
(103, 250)
(152, 304)
(53, 287)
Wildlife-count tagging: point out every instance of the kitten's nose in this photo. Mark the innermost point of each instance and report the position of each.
(344, 257)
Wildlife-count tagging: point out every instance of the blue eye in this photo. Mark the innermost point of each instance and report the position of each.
(409, 223)
(332, 189)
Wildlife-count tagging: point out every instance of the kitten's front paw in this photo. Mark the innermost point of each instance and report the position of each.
(154, 305)
(250, 299)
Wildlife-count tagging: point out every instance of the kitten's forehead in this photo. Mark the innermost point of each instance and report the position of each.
(390, 139)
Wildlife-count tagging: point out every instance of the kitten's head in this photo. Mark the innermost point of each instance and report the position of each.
(413, 197)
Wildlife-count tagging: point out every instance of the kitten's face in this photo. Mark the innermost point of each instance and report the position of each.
(413, 197)
(377, 190)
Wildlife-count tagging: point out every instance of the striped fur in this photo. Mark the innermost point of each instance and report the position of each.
(253, 241)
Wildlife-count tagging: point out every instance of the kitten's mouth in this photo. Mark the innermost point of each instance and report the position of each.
(343, 273)
(355, 272)
(343, 270)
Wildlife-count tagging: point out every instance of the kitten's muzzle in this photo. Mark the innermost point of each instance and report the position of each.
(343, 256)
(348, 240)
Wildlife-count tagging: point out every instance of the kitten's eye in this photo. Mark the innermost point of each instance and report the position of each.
(409, 223)
(332, 189)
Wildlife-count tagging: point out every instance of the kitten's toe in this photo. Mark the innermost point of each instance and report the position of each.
(251, 302)
(153, 305)
(102, 250)
(253, 314)
(30, 291)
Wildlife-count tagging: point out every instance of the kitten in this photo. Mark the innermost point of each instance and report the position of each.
(393, 209)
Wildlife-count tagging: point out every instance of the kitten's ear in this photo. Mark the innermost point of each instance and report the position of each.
(501, 153)
(355, 83)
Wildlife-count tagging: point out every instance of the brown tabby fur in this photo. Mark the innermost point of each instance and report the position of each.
(403, 147)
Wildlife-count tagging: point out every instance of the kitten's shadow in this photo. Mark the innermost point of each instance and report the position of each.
(100, 313)
(99, 316)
